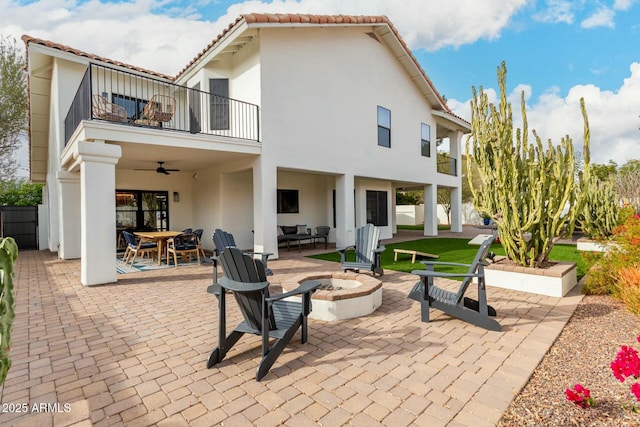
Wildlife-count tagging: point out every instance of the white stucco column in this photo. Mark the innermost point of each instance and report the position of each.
(345, 214)
(430, 210)
(456, 209)
(69, 215)
(98, 210)
(265, 209)
(50, 199)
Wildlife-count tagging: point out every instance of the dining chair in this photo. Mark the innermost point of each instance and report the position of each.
(185, 244)
(137, 245)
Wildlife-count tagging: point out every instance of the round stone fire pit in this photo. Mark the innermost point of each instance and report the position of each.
(341, 295)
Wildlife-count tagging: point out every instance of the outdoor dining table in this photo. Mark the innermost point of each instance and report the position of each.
(160, 237)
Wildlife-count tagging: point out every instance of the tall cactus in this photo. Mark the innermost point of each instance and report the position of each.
(8, 256)
(527, 189)
(600, 213)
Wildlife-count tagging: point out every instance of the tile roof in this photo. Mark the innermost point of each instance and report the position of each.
(260, 18)
(288, 18)
(28, 39)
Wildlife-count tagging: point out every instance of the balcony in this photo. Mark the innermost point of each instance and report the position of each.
(129, 99)
(447, 165)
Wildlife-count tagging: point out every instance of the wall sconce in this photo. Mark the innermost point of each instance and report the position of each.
(176, 196)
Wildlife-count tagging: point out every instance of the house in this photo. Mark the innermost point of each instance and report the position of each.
(281, 120)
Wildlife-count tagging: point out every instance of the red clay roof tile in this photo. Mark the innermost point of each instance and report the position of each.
(261, 18)
(28, 39)
(258, 18)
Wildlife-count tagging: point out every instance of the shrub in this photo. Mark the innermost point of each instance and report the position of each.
(598, 280)
(624, 213)
(600, 213)
(604, 270)
(628, 288)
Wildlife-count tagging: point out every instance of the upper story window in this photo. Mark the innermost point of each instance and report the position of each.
(384, 127)
(219, 104)
(425, 140)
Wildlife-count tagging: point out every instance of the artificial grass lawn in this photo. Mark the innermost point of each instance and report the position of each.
(450, 250)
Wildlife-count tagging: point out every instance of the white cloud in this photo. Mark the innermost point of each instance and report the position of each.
(613, 117)
(165, 35)
(424, 24)
(603, 17)
(622, 4)
(148, 32)
(557, 11)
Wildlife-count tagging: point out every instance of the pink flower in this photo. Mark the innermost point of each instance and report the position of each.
(580, 395)
(626, 364)
(635, 389)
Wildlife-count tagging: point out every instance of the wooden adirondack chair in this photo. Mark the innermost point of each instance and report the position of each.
(455, 304)
(222, 240)
(264, 315)
(367, 250)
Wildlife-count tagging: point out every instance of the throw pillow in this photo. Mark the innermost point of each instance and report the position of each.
(289, 229)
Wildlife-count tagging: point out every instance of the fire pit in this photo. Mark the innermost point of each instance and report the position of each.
(341, 295)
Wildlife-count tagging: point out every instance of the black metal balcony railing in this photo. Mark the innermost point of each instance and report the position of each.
(447, 165)
(130, 99)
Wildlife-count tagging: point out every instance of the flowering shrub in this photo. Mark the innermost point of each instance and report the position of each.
(627, 365)
(580, 395)
(628, 288)
(604, 269)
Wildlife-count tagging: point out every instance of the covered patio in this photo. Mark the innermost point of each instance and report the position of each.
(134, 353)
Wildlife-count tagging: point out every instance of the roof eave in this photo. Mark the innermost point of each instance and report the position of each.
(458, 123)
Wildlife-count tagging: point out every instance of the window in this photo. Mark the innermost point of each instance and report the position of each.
(134, 106)
(142, 210)
(377, 208)
(288, 201)
(425, 137)
(219, 104)
(384, 127)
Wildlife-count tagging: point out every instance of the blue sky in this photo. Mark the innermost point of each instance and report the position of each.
(543, 55)
(556, 51)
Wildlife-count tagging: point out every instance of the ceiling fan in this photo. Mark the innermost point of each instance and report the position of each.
(161, 169)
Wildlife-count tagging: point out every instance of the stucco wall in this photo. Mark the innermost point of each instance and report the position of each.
(349, 74)
(180, 213)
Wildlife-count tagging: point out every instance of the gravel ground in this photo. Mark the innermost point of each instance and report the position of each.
(582, 354)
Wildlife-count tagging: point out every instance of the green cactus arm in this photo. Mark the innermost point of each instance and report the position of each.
(8, 257)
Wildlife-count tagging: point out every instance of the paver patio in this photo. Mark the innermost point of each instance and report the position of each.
(134, 353)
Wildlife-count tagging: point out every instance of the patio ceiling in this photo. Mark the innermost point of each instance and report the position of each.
(144, 156)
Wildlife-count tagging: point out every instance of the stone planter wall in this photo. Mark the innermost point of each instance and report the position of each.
(587, 245)
(555, 281)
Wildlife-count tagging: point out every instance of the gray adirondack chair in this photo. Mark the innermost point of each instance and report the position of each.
(367, 249)
(265, 315)
(222, 240)
(455, 304)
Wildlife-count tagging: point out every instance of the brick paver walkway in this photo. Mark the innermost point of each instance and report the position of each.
(134, 354)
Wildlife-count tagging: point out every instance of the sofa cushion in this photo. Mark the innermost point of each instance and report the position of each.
(289, 229)
(280, 232)
(301, 229)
